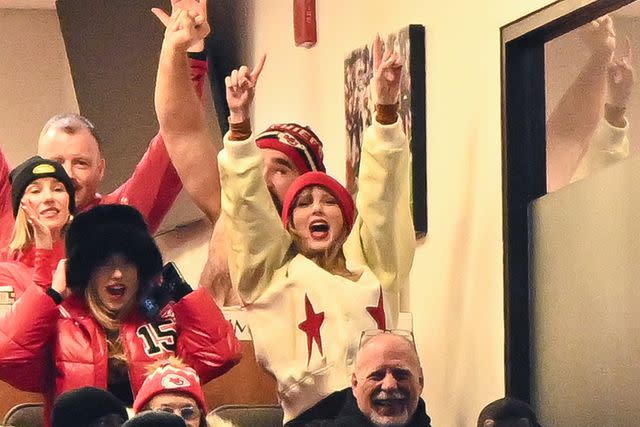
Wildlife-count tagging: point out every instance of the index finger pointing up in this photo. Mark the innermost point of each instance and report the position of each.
(258, 68)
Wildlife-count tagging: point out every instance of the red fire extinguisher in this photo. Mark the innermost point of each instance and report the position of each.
(304, 22)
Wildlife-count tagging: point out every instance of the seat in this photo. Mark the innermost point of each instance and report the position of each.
(25, 415)
(250, 415)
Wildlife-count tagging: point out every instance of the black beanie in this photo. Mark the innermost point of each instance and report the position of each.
(507, 409)
(34, 168)
(107, 230)
(155, 419)
(82, 406)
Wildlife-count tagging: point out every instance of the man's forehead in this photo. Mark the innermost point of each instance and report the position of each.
(269, 154)
(387, 350)
(56, 142)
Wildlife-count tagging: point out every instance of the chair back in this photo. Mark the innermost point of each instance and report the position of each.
(250, 415)
(25, 415)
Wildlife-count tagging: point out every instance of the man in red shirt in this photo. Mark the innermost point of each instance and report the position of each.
(72, 140)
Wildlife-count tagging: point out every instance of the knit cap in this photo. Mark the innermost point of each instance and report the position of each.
(298, 143)
(35, 168)
(507, 409)
(321, 179)
(170, 379)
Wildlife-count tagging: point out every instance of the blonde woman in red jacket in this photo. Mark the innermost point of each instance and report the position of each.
(101, 334)
(42, 199)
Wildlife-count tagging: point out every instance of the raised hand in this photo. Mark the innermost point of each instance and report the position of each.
(241, 84)
(387, 70)
(187, 26)
(599, 35)
(41, 233)
(620, 78)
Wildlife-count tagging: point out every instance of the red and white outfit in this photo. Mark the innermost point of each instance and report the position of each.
(50, 349)
(306, 322)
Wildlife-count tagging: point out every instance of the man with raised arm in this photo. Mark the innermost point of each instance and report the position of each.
(72, 140)
(288, 149)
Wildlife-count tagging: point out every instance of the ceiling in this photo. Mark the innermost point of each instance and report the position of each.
(27, 4)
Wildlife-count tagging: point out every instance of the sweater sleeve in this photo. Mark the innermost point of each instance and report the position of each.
(155, 184)
(383, 236)
(258, 243)
(206, 340)
(608, 145)
(25, 332)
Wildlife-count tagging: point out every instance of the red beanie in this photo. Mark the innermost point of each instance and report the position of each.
(320, 179)
(298, 143)
(170, 379)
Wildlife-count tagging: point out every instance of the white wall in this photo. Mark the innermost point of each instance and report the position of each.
(35, 81)
(456, 290)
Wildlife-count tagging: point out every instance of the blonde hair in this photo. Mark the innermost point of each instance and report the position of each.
(109, 320)
(173, 361)
(22, 236)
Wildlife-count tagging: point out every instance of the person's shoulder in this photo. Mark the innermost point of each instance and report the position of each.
(324, 412)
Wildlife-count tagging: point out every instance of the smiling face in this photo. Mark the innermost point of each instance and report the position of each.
(116, 282)
(79, 155)
(49, 199)
(388, 380)
(317, 223)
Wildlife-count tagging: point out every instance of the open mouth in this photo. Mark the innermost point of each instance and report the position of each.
(117, 290)
(319, 229)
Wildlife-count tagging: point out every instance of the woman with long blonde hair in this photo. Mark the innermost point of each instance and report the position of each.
(97, 324)
(43, 199)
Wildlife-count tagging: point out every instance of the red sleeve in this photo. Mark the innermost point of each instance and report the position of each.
(206, 340)
(42, 274)
(6, 210)
(155, 183)
(25, 332)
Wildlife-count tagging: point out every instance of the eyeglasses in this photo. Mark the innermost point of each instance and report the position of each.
(367, 334)
(187, 413)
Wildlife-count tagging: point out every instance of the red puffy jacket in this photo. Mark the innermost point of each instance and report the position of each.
(51, 349)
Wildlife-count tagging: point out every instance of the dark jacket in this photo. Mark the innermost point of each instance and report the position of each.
(340, 409)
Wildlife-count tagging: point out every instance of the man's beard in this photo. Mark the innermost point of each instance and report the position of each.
(398, 420)
(276, 202)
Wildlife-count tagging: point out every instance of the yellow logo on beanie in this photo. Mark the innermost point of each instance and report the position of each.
(42, 169)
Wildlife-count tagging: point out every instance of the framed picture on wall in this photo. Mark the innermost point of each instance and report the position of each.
(359, 109)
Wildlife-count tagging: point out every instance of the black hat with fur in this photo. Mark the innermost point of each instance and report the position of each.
(155, 419)
(106, 230)
(83, 406)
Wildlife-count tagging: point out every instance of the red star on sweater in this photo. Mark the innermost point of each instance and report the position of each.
(311, 327)
(377, 312)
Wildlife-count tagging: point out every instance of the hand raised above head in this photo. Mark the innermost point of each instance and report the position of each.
(599, 35)
(187, 26)
(387, 70)
(240, 86)
(621, 78)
